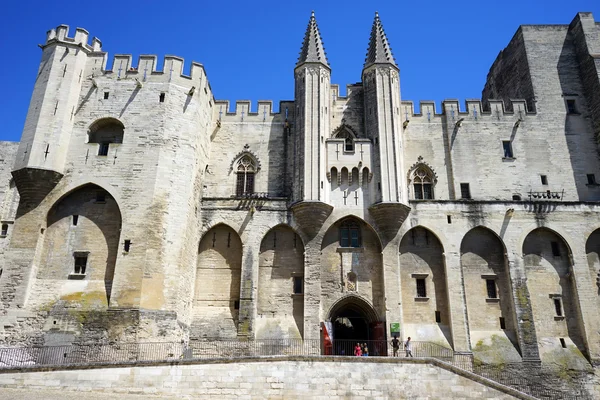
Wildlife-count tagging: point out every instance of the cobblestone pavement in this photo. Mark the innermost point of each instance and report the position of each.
(27, 394)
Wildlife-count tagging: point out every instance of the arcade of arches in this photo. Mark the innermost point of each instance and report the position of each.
(352, 288)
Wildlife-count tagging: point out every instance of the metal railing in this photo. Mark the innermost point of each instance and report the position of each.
(527, 379)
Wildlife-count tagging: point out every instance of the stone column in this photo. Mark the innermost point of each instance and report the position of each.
(312, 289)
(391, 284)
(248, 288)
(457, 305)
(523, 312)
(585, 298)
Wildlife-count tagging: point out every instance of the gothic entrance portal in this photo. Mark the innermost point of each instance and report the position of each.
(353, 321)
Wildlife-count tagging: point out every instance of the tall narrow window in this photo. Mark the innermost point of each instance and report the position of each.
(4, 230)
(350, 234)
(80, 263)
(558, 307)
(103, 149)
(161, 98)
(502, 323)
(127, 245)
(438, 317)
(75, 220)
(507, 148)
(465, 191)
(491, 289)
(544, 179)
(423, 183)
(298, 285)
(571, 107)
(421, 288)
(245, 176)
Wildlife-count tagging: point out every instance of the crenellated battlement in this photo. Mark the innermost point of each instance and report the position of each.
(473, 108)
(61, 34)
(243, 110)
(173, 66)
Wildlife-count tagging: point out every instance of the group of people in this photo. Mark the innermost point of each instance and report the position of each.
(361, 350)
(407, 346)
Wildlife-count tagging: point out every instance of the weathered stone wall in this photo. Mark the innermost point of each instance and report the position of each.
(265, 379)
(483, 259)
(421, 257)
(280, 311)
(217, 288)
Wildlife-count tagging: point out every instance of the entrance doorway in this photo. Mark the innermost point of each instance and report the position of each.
(354, 321)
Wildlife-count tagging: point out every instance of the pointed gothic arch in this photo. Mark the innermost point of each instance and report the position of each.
(548, 259)
(216, 303)
(82, 239)
(425, 299)
(280, 300)
(348, 134)
(488, 295)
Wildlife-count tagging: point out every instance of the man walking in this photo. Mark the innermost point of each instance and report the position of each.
(408, 347)
(395, 345)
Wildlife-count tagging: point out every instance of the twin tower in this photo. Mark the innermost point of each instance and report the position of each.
(351, 141)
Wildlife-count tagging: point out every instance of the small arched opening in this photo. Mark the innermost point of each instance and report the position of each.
(106, 131)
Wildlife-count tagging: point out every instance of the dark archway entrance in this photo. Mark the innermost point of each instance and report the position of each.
(354, 321)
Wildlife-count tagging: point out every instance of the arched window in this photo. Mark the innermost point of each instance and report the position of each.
(423, 183)
(104, 132)
(246, 168)
(350, 234)
(348, 139)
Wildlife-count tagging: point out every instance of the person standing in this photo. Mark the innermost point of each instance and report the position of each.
(357, 350)
(408, 347)
(395, 345)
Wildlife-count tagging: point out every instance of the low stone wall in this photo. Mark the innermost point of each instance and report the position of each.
(291, 377)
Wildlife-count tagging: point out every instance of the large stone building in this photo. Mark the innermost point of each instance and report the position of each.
(136, 207)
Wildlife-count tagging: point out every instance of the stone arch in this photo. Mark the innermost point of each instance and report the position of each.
(82, 226)
(488, 293)
(422, 264)
(344, 177)
(106, 130)
(334, 178)
(356, 303)
(354, 319)
(547, 260)
(215, 308)
(364, 261)
(592, 250)
(280, 311)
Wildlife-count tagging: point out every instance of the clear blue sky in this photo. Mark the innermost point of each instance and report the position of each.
(249, 48)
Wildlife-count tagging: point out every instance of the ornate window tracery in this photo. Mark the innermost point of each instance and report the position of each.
(246, 169)
(423, 183)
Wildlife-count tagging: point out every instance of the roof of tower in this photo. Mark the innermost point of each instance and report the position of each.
(379, 51)
(312, 47)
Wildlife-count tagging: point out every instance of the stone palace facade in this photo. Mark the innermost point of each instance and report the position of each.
(136, 207)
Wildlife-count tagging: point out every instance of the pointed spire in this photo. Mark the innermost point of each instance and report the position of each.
(379, 51)
(312, 48)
